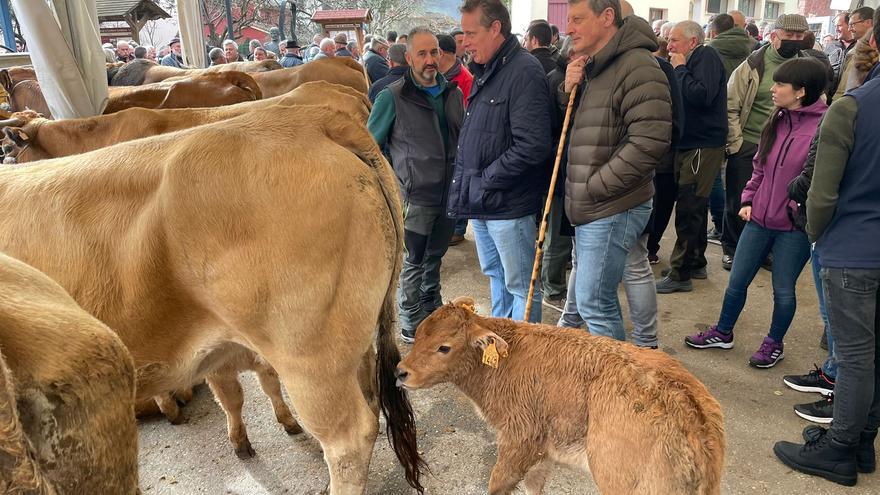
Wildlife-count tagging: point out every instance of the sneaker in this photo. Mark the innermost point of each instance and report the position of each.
(768, 354)
(713, 235)
(824, 457)
(456, 239)
(653, 259)
(557, 302)
(814, 381)
(866, 457)
(407, 336)
(821, 411)
(698, 274)
(710, 338)
(667, 285)
(727, 262)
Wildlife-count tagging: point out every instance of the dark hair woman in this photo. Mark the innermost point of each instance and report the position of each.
(782, 153)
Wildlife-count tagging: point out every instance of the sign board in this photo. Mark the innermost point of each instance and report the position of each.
(840, 4)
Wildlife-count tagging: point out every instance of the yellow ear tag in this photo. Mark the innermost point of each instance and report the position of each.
(470, 307)
(490, 354)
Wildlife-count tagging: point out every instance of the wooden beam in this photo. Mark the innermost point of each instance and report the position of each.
(135, 30)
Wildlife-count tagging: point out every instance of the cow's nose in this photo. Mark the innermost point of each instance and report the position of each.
(401, 374)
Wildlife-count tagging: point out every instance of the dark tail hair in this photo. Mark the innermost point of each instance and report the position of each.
(400, 420)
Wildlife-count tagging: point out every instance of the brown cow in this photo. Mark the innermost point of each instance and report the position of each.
(341, 70)
(141, 71)
(27, 137)
(67, 388)
(562, 395)
(210, 89)
(186, 242)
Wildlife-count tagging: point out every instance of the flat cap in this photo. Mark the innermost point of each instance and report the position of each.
(792, 22)
(341, 39)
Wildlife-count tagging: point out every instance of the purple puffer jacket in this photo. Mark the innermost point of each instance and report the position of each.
(767, 190)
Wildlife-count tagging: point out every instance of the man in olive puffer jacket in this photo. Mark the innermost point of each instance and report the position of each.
(621, 130)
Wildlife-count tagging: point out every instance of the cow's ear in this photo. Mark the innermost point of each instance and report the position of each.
(465, 302)
(18, 136)
(483, 338)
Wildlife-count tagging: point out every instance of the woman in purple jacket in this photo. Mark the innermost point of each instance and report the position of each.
(782, 153)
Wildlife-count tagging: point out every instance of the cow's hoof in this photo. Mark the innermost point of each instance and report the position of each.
(183, 396)
(245, 451)
(294, 429)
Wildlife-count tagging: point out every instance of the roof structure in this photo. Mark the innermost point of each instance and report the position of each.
(342, 16)
(122, 10)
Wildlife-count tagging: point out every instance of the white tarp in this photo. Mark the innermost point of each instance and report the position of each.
(191, 33)
(65, 48)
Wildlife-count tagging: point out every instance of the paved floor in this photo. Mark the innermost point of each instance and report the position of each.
(196, 457)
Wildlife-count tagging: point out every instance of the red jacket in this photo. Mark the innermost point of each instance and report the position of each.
(463, 77)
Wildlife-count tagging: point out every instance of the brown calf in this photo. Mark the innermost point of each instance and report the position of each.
(637, 419)
(66, 393)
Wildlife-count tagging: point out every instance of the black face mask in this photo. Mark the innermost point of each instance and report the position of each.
(790, 48)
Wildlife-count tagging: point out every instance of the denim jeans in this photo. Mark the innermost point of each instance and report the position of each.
(791, 250)
(830, 365)
(716, 202)
(602, 248)
(557, 252)
(461, 226)
(638, 282)
(736, 176)
(426, 235)
(506, 249)
(852, 298)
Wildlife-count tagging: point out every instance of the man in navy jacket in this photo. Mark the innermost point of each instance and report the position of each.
(500, 167)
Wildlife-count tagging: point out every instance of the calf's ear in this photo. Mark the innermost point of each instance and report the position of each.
(481, 338)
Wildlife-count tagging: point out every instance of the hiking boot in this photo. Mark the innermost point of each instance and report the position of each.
(823, 457)
(712, 337)
(727, 262)
(768, 354)
(456, 239)
(814, 381)
(866, 458)
(821, 411)
(667, 285)
(698, 274)
(407, 336)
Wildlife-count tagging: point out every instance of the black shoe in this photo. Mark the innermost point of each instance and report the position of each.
(821, 411)
(823, 457)
(727, 262)
(408, 336)
(866, 458)
(814, 381)
(653, 258)
(698, 274)
(667, 285)
(768, 263)
(823, 342)
(713, 235)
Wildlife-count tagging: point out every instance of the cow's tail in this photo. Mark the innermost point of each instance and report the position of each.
(395, 405)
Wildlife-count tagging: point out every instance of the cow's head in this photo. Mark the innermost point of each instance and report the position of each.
(450, 343)
(18, 136)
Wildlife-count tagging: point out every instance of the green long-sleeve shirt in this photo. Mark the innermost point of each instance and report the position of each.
(382, 115)
(835, 146)
(763, 104)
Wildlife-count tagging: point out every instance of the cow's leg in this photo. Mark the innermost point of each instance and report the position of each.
(367, 380)
(227, 390)
(537, 477)
(271, 386)
(169, 408)
(331, 406)
(515, 459)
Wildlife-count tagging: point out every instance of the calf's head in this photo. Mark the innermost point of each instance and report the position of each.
(449, 344)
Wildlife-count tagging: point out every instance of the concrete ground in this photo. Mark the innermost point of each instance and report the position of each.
(196, 457)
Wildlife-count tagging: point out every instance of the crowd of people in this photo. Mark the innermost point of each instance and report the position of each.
(758, 128)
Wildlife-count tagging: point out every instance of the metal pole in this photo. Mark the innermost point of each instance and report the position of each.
(229, 35)
(6, 18)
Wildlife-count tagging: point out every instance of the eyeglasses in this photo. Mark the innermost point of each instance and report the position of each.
(851, 24)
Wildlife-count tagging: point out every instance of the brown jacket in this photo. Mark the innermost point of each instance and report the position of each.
(622, 127)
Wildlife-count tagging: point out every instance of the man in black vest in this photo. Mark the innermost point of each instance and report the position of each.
(419, 117)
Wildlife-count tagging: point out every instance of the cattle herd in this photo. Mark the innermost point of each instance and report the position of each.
(168, 242)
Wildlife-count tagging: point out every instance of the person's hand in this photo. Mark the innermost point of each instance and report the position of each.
(746, 213)
(677, 59)
(574, 74)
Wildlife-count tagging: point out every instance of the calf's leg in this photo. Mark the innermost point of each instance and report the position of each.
(227, 390)
(537, 477)
(169, 408)
(271, 386)
(515, 459)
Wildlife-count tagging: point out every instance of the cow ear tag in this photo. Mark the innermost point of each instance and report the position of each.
(490, 354)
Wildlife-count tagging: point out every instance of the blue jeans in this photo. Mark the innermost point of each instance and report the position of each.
(506, 249)
(716, 202)
(602, 248)
(461, 226)
(791, 250)
(830, 365)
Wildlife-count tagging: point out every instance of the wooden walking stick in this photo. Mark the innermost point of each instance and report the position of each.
(540, 244)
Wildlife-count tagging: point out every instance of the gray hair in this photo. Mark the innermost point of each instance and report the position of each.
(692, 30)
(665, 29)
(230, 42)
(417, 30)
(327, 42)
(122, 42)
(216, 54)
